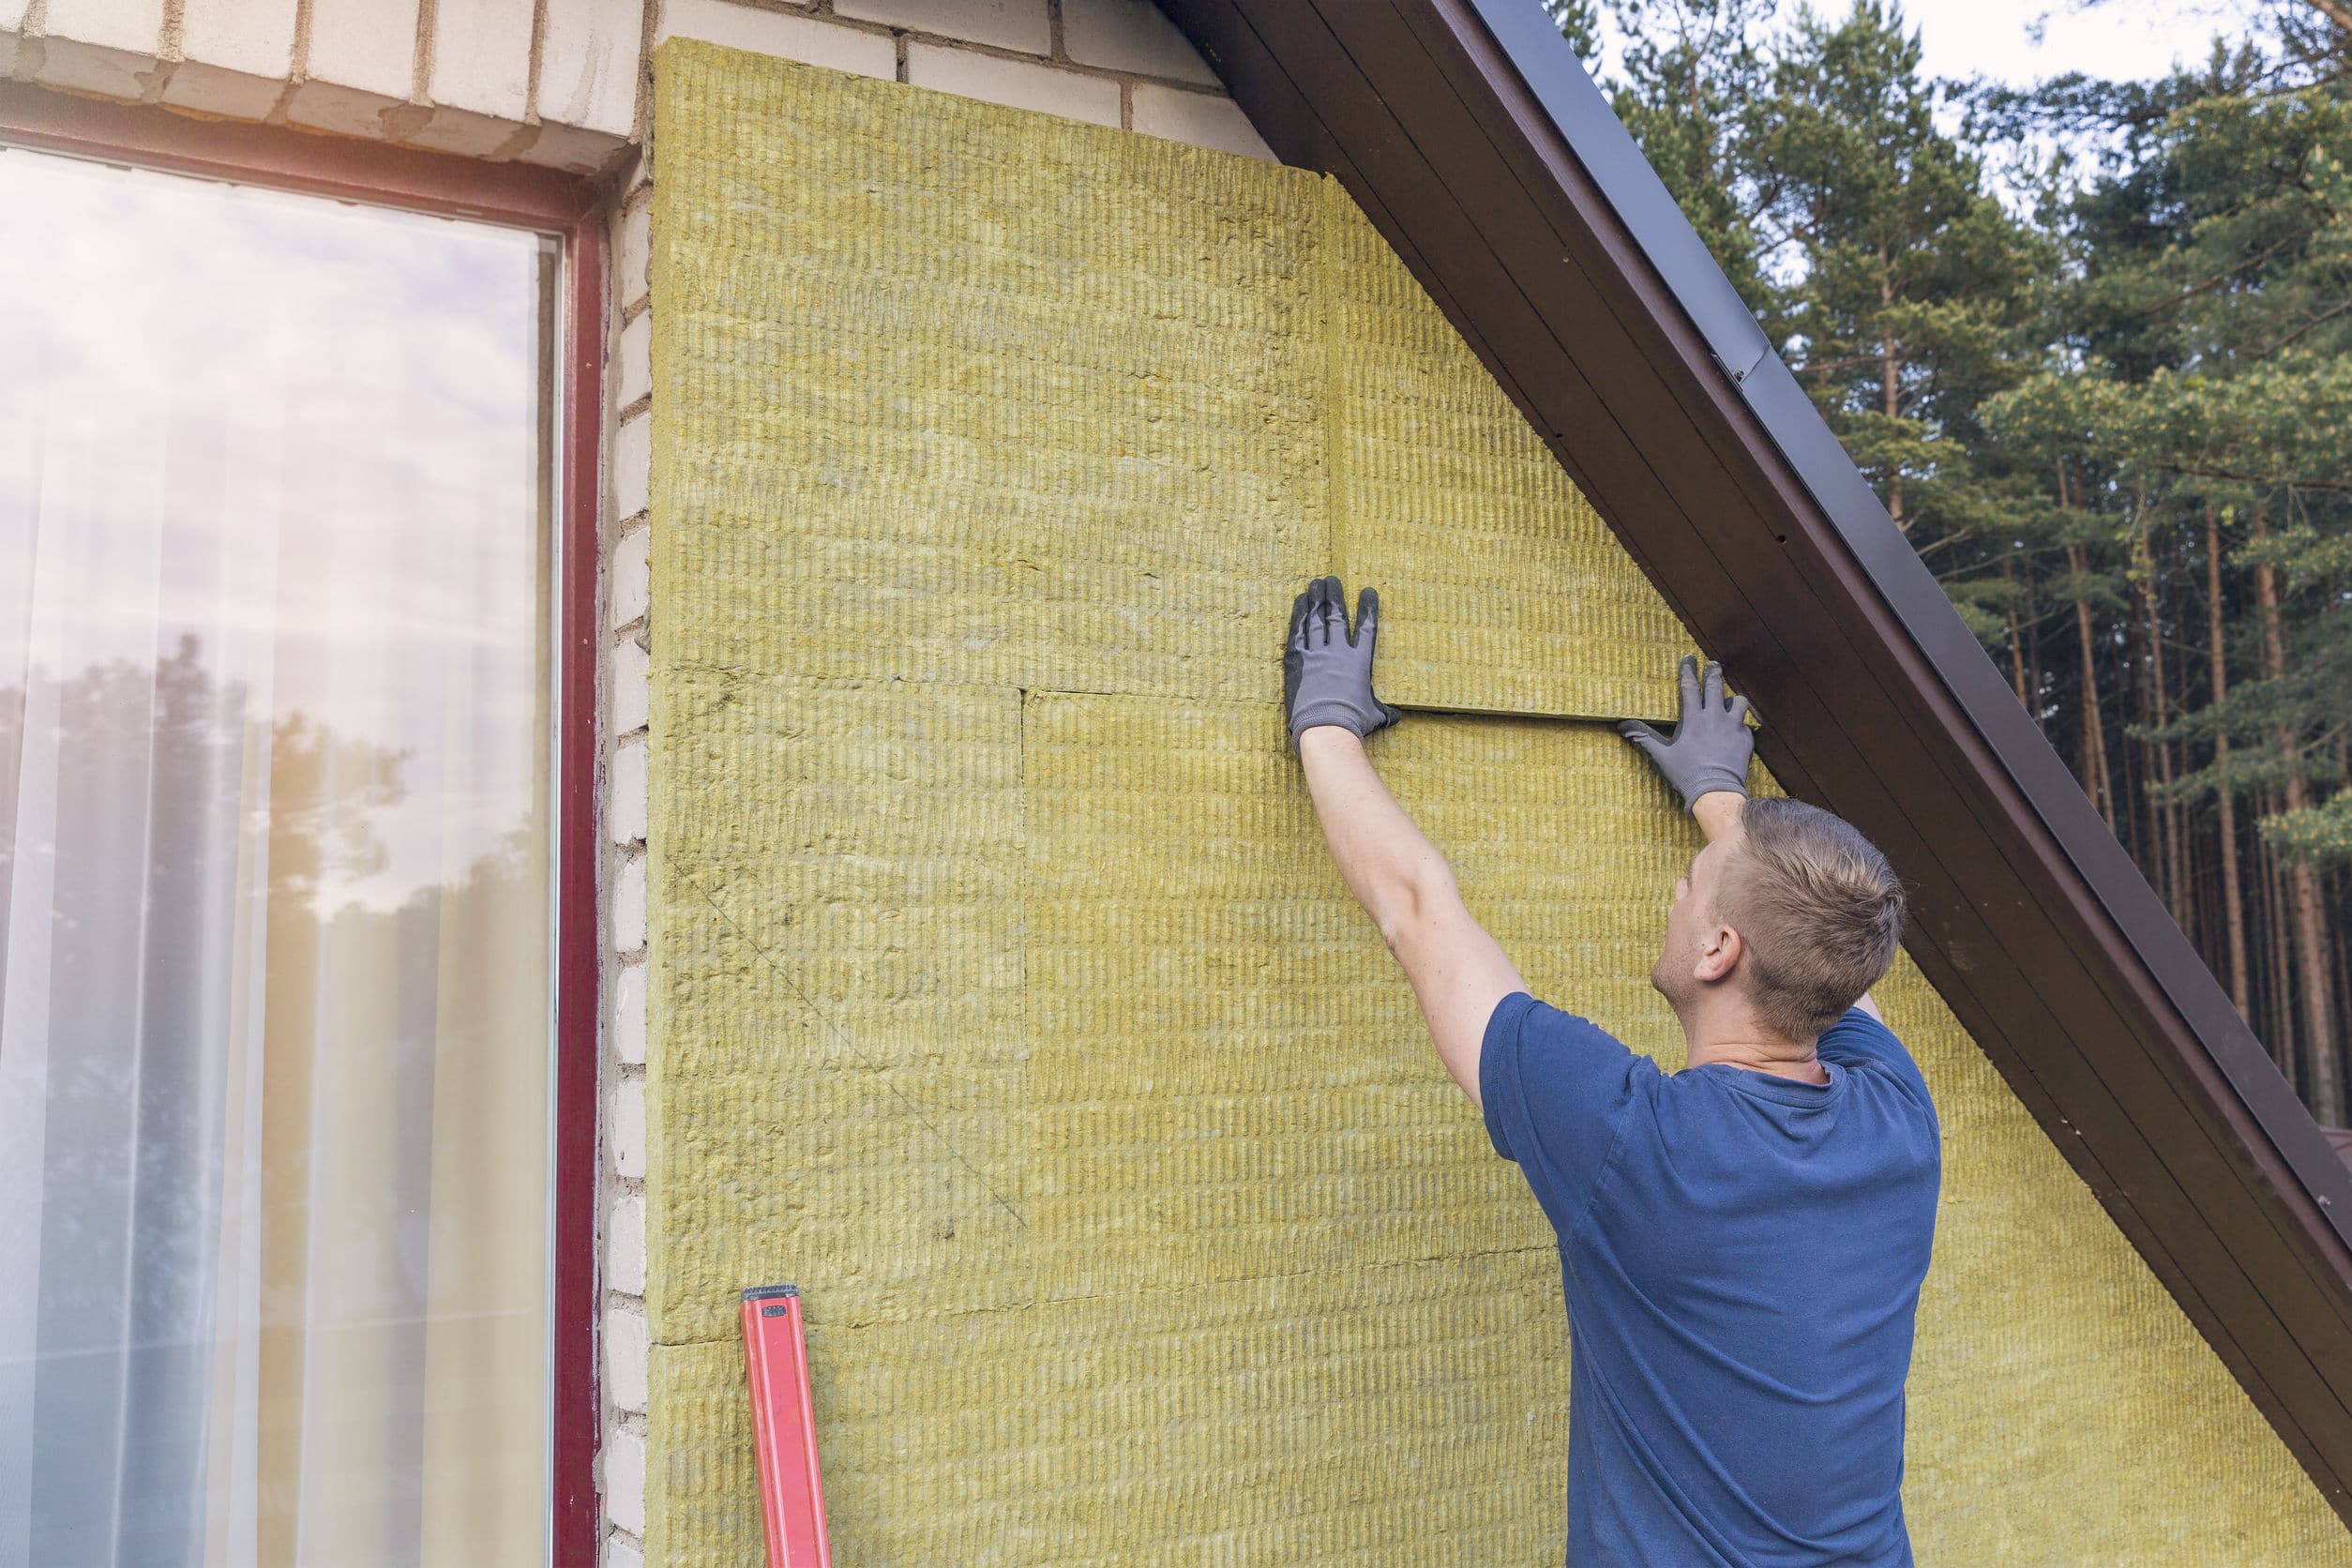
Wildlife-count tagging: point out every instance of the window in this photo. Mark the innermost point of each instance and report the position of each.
(278, 749)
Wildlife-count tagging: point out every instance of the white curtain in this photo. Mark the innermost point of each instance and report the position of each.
(274, 879)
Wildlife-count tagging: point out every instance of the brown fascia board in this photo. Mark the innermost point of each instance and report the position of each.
(1472, 138)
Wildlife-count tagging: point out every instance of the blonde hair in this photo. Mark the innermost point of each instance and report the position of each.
(1818, 910)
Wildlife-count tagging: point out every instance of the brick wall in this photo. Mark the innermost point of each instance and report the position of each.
(562, 83)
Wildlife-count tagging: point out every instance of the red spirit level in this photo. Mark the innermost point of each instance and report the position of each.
(784, 1429)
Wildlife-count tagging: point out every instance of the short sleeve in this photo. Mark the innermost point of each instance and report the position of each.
(1554, 1089)
(1860, 1041)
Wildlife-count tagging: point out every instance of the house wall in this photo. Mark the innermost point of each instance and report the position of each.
(1002, 994)
(564, 83)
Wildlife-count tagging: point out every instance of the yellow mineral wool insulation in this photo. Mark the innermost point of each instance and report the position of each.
(1004, 995)
(1502, 590)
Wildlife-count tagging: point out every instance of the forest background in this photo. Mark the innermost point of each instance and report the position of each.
(2090, 344)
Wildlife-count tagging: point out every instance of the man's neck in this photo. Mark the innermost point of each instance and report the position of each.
(1742, 1043)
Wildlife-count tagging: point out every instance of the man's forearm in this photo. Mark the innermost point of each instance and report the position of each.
(1385, 860)
(1718, 812)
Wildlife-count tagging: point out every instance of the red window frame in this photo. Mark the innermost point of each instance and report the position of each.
(575, 208)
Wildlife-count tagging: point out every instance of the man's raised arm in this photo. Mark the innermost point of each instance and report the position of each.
(1457, 970)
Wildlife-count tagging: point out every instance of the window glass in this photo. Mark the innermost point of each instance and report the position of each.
(275, 814)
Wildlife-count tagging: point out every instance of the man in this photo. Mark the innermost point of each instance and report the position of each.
(1742, 1243)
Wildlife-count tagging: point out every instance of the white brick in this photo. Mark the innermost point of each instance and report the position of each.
(12, 19)
(622, 1552)
(462, 131)
(1198, 118)
(629, 1014)
(627, 1341)
(633, 269)
(254, 37)
(367, 44)
(1007, 23)
(133, 26)
(632, 465)
(624, 803)
(1131, 35)
(582, 152)
(88, 67)
(1018, 83)
(231, 93)
(633, 373)
(481, 56)
(629, 692)
(625, 1246)
(632, 583)
(794, 37)
(346, 110)
(588, 64)
(625, 1481)
(628, 905)
(628, 1132)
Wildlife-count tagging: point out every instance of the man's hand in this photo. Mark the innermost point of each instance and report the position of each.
(1710, 747)
(1326, 671)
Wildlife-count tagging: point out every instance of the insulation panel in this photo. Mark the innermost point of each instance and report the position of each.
(1004, 995)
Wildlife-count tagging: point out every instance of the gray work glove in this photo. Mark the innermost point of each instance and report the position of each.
(1712, 744)
(1326, 671)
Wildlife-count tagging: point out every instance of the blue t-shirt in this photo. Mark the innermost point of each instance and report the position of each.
(1742, 1256)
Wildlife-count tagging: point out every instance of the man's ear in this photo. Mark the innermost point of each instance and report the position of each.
(1719, 954)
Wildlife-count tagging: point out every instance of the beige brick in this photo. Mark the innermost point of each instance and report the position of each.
(628, 1014)
(625, 1481)
(791, 38)
(1131, 35)
(88, 67)
(348, 111)
(1203, 120)
(367, 44)
(133, 26)
(632, 255)
(253, 36)
(1007, 23)
(481, 58)
(631, 586)
(625, 798)
(1016, 83)
(627, 1338)
(633, 374)
(588, 64)
(232, 94)
(10, 46)
(582, 152)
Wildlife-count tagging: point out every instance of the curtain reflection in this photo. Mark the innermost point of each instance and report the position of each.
(274, 1016)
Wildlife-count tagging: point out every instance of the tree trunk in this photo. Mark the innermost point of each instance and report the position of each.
(2232, 909)
(2316, 989)
(2280, 1012)
(2017, 650)
(2096, 783)
(2163, 822)
(1890, 397)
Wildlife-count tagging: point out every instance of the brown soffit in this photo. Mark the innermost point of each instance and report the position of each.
(1471, 135)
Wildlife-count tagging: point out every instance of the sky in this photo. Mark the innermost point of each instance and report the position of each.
(2026, 40)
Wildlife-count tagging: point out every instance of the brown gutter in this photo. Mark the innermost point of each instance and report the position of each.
(1471, 136)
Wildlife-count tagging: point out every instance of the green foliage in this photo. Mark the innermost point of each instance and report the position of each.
(2059, 387)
